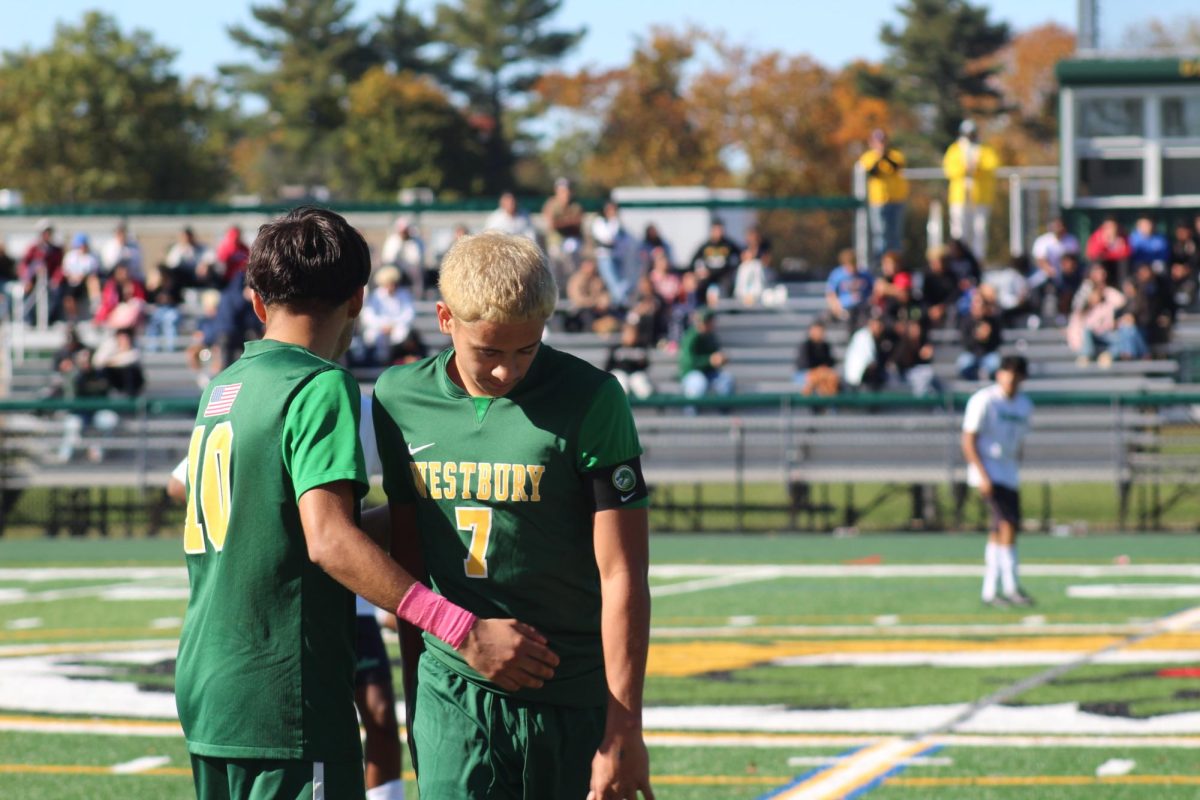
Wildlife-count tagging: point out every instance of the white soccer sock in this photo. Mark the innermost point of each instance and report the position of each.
(392, 790)
(991, 571)
(1008, 568)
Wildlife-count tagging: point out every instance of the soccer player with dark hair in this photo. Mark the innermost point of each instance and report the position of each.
(513, 473)
(995, 424)
(265, 673)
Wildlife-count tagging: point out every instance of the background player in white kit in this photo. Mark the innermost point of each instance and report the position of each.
(995, 424)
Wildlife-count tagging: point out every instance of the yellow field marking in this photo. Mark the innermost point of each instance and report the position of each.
(80, 769)
(686, 659)
(855, 771)
(718, 780)
(51, 633)
(1047, 780)
(16, 651)
(167, 728)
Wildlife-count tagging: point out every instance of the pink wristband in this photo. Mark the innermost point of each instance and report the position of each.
(431, 612)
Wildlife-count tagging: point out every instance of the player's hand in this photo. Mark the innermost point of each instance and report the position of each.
(511, 654)
(985, 486)
(621, 768)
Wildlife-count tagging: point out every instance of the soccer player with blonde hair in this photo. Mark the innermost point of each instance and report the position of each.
(513, 475)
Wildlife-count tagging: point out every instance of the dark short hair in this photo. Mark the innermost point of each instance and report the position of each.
(310, 258)
(1017, 365)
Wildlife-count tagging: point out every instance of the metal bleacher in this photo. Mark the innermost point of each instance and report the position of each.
(782, 440)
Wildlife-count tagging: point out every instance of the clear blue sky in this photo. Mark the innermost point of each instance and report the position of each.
(832, 32)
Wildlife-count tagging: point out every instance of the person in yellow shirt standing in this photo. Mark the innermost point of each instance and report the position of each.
(887, 191)
(971, 169)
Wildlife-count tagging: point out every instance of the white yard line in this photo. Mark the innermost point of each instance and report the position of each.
(713, 582)
(141, 765)
(724, 631)
(678, 571)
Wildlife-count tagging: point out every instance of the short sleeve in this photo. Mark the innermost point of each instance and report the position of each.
(607, 435)
(973, 416)
(320, 434)
(180, 473)
(393, 453)
(831, 283)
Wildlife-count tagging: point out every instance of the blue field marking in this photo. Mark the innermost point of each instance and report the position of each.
(896, 770)
(812, 773)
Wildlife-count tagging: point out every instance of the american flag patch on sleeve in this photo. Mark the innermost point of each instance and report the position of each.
(221, 399)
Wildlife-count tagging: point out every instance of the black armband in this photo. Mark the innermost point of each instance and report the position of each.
(616, 486)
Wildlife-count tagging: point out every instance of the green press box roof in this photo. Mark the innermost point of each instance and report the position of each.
(1128, 71)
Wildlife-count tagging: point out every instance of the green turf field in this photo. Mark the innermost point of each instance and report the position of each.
(772, 658)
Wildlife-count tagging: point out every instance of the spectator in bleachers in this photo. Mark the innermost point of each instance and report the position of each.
(405, 251)
(162, 326)
(970, 167)
(232, 256)
(754, 272)
(121, 360)
(981, 337)
(1109, 246)
(816, 368)
(387, 316)
(1146, 245)
(682, 310)
(629, 360)
(652, 240)
(715, 263)
(123, 248)
(562, 217)
(848, 290)
(510, 218)
(887, 192)
(122, 301)
(188, 261)
(913, 359)
(648, 311)
(867, 354)
(962, 263)
(939, 289)
(1093, 323)
(43, 260)
(203, 349)
(591, 305)
(893, 285)
(1184, 287)
(614, 250)
(702, 365)
(1185, 249)
(85, 381)
(81, 278)
(236, 321)
(1133, 321)
(1153, 308)
(665, 280)
(1067, 287)
(1048, 251)
(1015, 300)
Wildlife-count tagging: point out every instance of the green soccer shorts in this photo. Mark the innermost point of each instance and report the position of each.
(475, 744)
(271, 779)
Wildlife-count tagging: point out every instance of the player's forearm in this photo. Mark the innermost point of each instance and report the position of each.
(971, 452)
(625, 629)
(352, 559)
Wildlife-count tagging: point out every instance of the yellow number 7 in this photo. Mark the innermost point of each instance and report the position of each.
(479, 522)
(212, 489)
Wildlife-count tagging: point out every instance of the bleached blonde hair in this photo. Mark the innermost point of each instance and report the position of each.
(496, 277)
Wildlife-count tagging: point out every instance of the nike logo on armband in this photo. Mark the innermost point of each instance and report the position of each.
(625, 498)
(412, 451)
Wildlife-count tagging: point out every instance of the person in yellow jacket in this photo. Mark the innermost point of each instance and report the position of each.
(887, 191)
(971, 169)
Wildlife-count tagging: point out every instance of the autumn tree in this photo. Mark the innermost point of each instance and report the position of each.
(1029, 91)
(401, 132)
(311, 52)
(1177, 35)
(938, 63)
(100, 116)
(500, 48)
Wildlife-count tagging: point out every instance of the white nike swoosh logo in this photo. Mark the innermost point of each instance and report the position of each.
(412, 451)
(625, 497)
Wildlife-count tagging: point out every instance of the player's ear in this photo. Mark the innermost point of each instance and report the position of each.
(444, 317)
(356, 303)
(260, 308)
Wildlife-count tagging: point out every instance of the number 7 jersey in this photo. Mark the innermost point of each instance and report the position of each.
(503, 500)
(266, 658)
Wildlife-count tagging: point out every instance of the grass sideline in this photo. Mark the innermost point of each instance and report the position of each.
(722, 645)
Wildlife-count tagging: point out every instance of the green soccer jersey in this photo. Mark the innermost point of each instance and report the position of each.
(503, 499)
(266, 656)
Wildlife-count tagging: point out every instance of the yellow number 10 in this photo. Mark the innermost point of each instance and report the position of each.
(209, 486)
